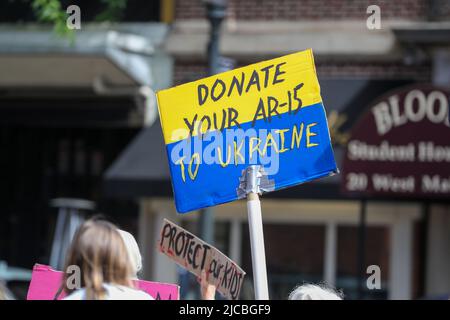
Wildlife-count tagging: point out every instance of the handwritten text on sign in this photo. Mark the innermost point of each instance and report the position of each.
(196, 255)
(269, 114)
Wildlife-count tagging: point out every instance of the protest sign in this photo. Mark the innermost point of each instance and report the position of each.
(268, 114)
(196, 255)
(46, 282)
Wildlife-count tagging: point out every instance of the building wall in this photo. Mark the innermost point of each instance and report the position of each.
(438, 252)
(289, 18)
(185, 71)
(390, 237)
(307, 9)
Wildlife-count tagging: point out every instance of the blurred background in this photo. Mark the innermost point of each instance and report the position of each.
(80, 134)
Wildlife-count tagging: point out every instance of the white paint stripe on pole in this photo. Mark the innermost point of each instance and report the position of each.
(257, 245)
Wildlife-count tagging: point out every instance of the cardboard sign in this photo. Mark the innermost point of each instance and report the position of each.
(45, 283)
(196, 255)
(269, 114)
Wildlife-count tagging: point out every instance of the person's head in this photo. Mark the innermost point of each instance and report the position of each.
(5, 294)
(314, 292)
(133, 252)
(99, 251)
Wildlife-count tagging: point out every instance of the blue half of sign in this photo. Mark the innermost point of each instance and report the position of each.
(292, 148)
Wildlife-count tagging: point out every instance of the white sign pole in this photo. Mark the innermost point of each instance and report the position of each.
(257, 245)
(253, 182)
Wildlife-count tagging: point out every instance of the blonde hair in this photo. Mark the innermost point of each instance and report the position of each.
(4, 294)
(314, 292)
(100, 252)
(133, 252)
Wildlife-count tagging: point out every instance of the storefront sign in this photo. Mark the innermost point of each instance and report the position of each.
(401, 146)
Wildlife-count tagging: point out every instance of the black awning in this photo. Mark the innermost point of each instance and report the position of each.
(428, 33)
(142, 168)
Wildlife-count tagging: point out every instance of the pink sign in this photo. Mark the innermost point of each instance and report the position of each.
(45, 283)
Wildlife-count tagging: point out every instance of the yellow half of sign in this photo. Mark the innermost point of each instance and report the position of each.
(187, 106)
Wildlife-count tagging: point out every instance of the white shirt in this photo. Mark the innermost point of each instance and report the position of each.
(113, 292)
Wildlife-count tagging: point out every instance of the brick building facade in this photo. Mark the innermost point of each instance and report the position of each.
(307, 9)
(312, 13)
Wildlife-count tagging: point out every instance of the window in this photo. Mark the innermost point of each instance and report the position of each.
(376, 253)
(294, 255)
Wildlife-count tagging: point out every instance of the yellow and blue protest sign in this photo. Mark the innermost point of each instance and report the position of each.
(268, 114)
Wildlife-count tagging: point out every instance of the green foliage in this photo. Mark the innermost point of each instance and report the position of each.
(114, 10)
(50, 11)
